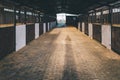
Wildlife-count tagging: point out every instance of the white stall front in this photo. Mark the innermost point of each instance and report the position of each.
(79, 26)
(83, 27)
(106, 36)
(90, 28)
(44, 27)
(20, 36)
(36, 30)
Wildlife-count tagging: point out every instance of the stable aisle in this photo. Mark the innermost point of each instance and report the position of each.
(61, 54)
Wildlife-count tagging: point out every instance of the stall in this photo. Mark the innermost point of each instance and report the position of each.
(7, 30)
(20, 28)
(116, 29)
(106, 28)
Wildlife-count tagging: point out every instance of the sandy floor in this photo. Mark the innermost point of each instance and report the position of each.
(62, 54)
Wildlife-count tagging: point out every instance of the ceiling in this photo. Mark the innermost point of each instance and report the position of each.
(52, 7)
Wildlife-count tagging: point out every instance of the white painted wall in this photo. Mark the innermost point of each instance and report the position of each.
(106, 36)
(44, 27)
(90, 27)
(20, 36)
(83, 27)
(36, 30)
(48, 26)
(79, 26)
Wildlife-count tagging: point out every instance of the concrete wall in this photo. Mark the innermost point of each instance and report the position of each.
(36, 30)
(83, 27)
(20, 36)
(106, 36)
(90, 28)
(79, 26)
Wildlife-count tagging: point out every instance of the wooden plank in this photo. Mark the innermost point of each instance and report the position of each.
(116, 25)
(29, 23)
(9, 25)
(6, 25)
(97, 23)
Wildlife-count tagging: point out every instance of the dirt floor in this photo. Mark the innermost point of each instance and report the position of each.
(62, 54)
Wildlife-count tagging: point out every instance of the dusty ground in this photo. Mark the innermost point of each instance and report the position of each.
(62, 54)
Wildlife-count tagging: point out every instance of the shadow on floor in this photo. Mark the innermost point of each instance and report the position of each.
(70, 72)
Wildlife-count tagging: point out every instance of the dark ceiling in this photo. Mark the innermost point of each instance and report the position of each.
(68, 6)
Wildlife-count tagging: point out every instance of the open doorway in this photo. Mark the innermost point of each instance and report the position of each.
(64, 19)
(61, 19)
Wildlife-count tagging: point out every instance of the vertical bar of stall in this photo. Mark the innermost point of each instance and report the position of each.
(25, 18)
(101, 18)
(110, 15)
(15, 28)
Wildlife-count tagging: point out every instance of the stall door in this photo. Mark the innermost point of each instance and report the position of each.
(41, 29)
(81, 26)
(116, 39)
(7, 41)
(86, 28)
(30, 33)
(97, 32)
